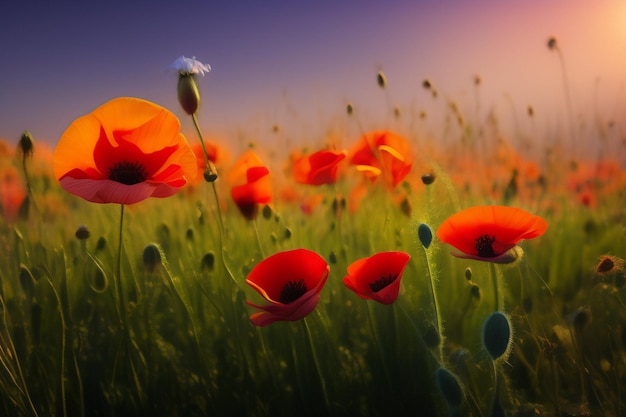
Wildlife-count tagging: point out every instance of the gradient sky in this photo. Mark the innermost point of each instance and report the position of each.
(297, 64)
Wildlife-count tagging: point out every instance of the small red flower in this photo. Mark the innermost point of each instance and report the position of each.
(291, 281)
(487, 233)
(123, 152)
(318, 168)
(256, 188)
(377, 277)
(12, 195)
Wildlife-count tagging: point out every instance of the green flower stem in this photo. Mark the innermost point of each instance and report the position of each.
(435, 301)
(316, 361)
(217, 202)
(258, 238)
(29, 189)
(378, 344)
(197, 126)
(119, 290)
(497, 278)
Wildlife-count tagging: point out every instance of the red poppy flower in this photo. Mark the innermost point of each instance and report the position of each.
(12, 194)
(291, 281)
(318, 168)
(256, 188)
(123, 152)
(377, 277)
(487, 233)
(383, 153)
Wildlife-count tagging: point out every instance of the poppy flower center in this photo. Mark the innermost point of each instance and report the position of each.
(484, 248)
(292, 291)
(381, 283)
(128, 173)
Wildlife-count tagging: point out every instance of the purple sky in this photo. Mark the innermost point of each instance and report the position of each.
(297, 64)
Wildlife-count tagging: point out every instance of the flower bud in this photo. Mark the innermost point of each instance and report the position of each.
(497, 335)
(425, 235)
(210, 173)
(449, 387)
(82, 233)
(208, 261)
(26, 144)
(381, 79)
(151, 257)
(428, 179)
(188, 93)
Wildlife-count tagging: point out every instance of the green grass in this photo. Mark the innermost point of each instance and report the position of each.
(174, 338)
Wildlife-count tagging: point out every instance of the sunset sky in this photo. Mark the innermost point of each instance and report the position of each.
(297, 64)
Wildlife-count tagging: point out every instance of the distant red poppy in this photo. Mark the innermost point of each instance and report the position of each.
(383, 153)
(377, 277)
(487, 233)
(318, 168)
(125, 151)
(291, 281)
(251, 184)
(12, 194)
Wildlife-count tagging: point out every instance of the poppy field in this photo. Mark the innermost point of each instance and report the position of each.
(375, 272)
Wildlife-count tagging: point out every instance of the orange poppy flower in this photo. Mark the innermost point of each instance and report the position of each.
(123, 152)
(256, 188)
(377, 277)
(318, 168)
(383, 153)
(487, 233)
(291, 281)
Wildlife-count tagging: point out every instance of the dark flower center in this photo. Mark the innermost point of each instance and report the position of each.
(128, 173)
(292, 291)
(484, 248)
(381, 283)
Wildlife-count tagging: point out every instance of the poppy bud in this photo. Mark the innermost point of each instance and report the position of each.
(208, 261)
(428, 179)
(468, 273)
(151, 257)
(267, 212)
(332, 258)
(425, 235)
(82, 233)
(497, 335)
(210, 173)
(475, 291)
(381, 79)
(188, 93)
(349, 109)
(101, 244)
(580, 318)
(26, 144)
(449, 387)
(406, 207)
(431, 336)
